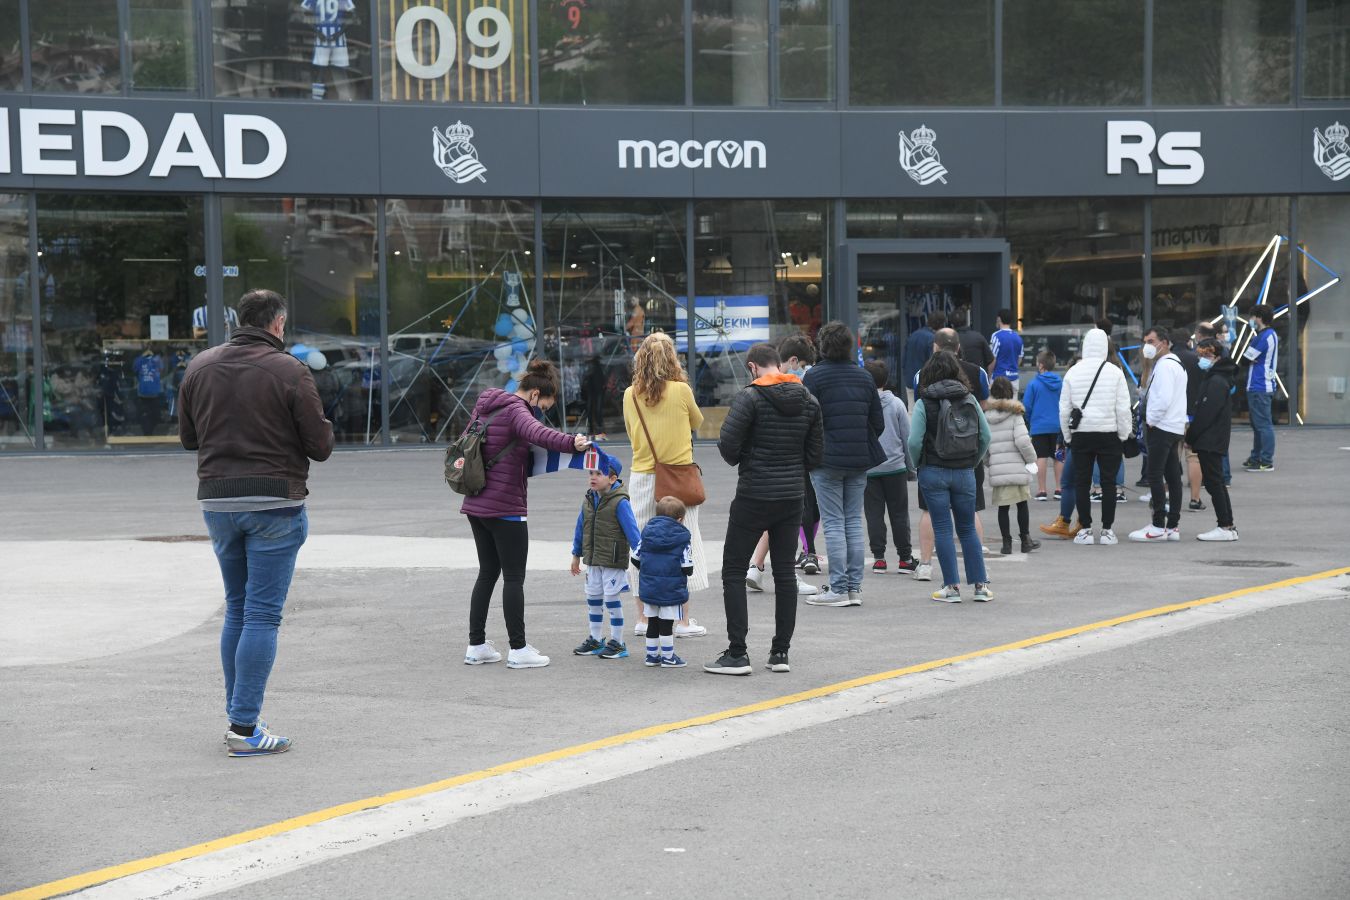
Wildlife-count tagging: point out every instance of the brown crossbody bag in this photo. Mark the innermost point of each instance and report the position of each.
(683, 482)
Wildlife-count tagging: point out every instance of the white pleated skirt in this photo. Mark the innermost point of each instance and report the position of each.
(642, 495)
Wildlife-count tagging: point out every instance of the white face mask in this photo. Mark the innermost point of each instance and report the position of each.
(1149, 351)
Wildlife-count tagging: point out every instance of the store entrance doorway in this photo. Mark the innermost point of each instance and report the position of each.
(894, 285)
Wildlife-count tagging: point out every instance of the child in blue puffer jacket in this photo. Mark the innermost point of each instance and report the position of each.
(665, 559)
(1042, 404)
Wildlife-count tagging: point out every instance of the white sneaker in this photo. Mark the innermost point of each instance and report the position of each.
(923, 572)
(1084, 536)
(693, 629)
(483, 653)
(754, 579)
(948, 594)
(525, 658)
(640, 628)
(804, 589)
(1149, 535)
(828, 597)
(1218, 534)
(855, 598)
(1108, 537)
(1174, 534)
(1145, 498)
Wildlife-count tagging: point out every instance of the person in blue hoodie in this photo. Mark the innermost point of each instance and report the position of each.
(605, 533)
(1042, 404)
(664, 557)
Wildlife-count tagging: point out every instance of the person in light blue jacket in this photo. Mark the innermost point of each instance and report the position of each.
(887, 491)
(1042, 404)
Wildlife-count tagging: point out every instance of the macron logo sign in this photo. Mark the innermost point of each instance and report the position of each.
(47, 145)
(692, 155)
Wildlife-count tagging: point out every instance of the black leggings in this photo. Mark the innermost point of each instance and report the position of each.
(1023, 520)
(660, 627)
(1211, 470)
(503, 547)
(810, 516)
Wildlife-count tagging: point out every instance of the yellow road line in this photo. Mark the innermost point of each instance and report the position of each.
(110, 873)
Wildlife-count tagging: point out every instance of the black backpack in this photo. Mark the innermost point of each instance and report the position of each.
(465, 470)
(958, 429)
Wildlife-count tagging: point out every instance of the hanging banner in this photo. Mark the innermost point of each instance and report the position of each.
(725, 324)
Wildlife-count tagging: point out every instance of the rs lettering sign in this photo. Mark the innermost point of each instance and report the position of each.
(1135, 141)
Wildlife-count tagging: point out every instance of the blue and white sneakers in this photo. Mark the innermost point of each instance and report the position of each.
(261, 743)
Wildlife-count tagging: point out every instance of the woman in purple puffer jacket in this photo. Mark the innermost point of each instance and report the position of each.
(497, 514)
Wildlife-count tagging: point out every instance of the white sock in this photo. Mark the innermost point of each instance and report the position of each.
(668, 649)
(597, 617)
(652, 648)
(615, 608)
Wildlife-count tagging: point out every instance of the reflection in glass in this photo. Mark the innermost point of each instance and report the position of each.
(613, 273)
(19, 391)
(1203, 249)
(1223, 52)
(925, 218)
(319, 253)
(1074, 262)
(462, 309)
(317, 49)
(921, 52)
(75, 46)
(163, 52)
(117, 283)
(805, 50)
(731, 52)
(612, 52)
(1073, 52)
(11, 47)
(1324, 320)
(1326, 65)
(760, 273)
(470, 51)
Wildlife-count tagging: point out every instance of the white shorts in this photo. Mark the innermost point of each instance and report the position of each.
(673, 613)
(331, 53)
(607, 583)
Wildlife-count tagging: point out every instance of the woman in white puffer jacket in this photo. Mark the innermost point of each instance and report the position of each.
(1106, 422)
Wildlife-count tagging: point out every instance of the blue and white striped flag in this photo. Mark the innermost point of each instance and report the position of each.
(545, 462)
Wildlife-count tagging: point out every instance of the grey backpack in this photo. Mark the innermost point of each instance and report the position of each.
(465, 469)
(958, 429)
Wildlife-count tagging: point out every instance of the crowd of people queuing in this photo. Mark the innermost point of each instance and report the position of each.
(819, 441)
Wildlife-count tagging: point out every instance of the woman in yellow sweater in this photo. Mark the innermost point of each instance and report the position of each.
(668, 407)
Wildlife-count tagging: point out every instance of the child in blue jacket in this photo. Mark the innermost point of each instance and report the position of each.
(1042, 404)
(666, 560)
(606, 530)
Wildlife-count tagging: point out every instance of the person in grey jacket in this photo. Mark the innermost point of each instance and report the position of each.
(887, 491)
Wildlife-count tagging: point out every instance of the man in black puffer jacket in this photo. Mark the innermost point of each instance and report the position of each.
(772, 432)
(853, 425)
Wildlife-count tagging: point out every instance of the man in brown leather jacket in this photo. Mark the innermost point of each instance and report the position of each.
(253, 414)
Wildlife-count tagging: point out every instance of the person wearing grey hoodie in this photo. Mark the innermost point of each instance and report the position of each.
(887, 491)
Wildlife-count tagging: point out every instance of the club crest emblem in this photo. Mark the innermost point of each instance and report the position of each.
(919, 158)
(1330, 151)
(455, 155)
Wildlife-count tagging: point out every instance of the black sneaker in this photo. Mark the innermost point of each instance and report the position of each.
(778, 662)
(811, 566)
(1250, 464)
(589, 647)
(1142, 482)
(1197, 505)
(801, 559)
(726, 664)
(906, 566)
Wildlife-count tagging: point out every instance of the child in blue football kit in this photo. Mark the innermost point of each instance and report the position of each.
(606, 531)
(665, 558)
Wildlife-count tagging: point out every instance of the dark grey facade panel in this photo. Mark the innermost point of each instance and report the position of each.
(458, 151)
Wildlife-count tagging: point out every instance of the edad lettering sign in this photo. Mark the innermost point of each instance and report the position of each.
(46, 139)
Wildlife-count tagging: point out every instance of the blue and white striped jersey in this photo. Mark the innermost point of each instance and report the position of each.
(329, 16)
(199, 318)
(1264, 355)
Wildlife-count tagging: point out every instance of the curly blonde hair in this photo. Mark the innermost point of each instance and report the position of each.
(654, 364)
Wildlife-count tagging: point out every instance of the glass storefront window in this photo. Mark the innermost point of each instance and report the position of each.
(463, 313)
(320, 254)
(1203, 250)
(118, 292)
(1326, 65)
(1324, 319)
(731, 52)
(318, 49)
(75, 46)
(1073, 52)
(618, 52)
(11, 47)
(921, 52)
(805, 50)
(760, 274)
(19, 391)
(1223, 52)
(1074, 262)
(470, 51)
(613, 273)
(163, 51)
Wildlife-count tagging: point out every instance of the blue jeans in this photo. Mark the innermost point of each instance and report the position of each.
(951, 493)
(1263, 428)
(1066, 490)
(256, 552)
(839, 494)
